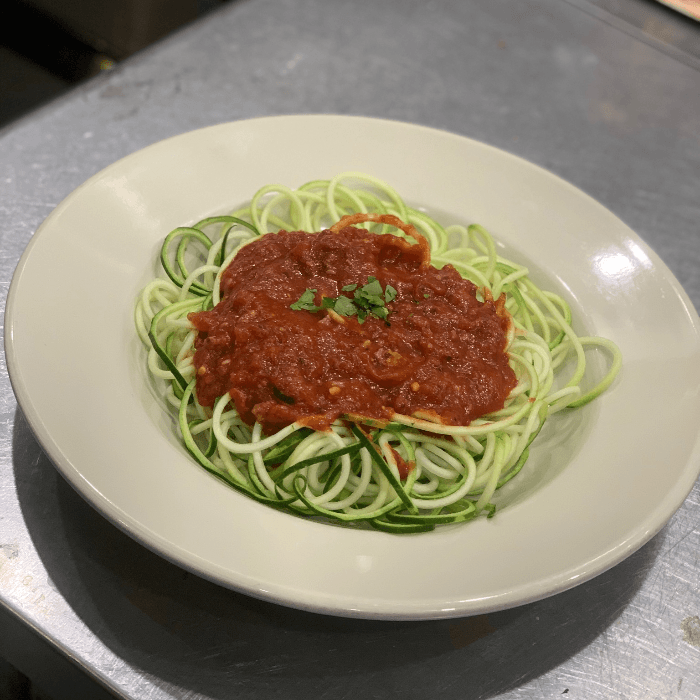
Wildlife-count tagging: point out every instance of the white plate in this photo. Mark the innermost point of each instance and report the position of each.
(600, 483)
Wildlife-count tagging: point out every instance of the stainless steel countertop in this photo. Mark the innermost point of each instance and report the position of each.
(593, 96)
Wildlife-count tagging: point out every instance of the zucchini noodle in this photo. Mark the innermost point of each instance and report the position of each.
(352, 473)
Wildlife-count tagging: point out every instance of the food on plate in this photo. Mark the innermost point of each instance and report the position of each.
(333, 352)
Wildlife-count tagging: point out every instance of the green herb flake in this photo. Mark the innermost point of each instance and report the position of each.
(372, 288)
(344, 306)
(305, 302)
(349, 288)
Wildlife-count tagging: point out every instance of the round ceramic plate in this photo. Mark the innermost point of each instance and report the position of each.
(599, 483)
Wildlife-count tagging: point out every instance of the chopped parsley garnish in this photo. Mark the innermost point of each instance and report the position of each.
(367, 300)
(305, 302)
(344, 306)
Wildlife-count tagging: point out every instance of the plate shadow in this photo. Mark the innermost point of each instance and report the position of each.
(189, 635)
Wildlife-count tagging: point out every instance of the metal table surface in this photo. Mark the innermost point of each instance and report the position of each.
(609, 105)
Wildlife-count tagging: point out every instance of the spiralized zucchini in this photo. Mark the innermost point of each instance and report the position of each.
(349, 474)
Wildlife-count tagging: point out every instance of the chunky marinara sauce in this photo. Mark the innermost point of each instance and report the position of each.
(441, 351)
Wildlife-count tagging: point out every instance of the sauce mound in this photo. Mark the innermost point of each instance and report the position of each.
(440, 352)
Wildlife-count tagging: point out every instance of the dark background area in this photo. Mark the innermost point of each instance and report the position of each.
(48, 46)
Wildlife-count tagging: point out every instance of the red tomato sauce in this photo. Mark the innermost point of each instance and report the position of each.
(440, 351)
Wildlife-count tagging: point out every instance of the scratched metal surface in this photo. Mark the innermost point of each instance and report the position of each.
(658, 24)
(546, 79)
